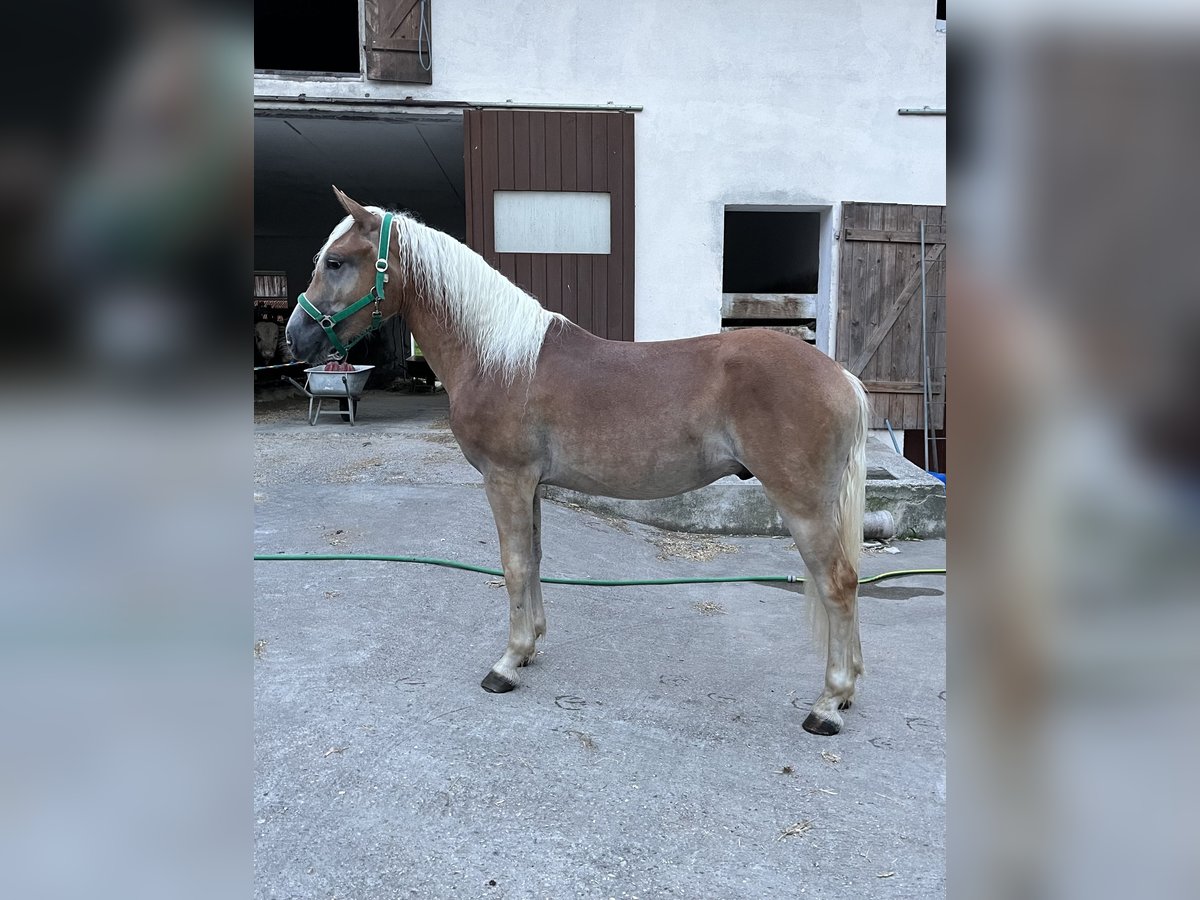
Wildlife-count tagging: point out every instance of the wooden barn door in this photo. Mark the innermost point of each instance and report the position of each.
(879, 308)
(567, 153)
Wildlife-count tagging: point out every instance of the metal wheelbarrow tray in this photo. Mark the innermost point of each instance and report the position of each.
(320, 384)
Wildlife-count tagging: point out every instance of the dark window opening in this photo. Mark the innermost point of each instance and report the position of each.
(771, 252)
(306, 37)
(941, 10)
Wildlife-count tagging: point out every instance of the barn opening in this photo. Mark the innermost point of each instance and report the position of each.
(407, 161)
(772, 269)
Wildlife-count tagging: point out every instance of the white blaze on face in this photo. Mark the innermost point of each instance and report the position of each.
(342, 227)
(299, 317)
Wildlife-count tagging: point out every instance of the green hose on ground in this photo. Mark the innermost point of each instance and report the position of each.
(587, 582)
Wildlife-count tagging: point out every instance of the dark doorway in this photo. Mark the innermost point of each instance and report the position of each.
(412, 163)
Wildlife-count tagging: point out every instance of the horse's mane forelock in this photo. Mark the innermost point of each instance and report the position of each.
(501, 324)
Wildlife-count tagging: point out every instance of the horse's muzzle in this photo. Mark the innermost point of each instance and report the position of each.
(305, 340)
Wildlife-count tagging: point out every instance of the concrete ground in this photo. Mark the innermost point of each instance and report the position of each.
(653, 749)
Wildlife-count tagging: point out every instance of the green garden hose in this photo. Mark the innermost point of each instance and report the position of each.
(587, 582)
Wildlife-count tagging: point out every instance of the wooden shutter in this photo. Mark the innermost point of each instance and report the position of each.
(879, 308)
(398, 49)
(552, 150)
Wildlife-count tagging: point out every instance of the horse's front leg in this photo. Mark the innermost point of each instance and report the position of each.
(511, 496)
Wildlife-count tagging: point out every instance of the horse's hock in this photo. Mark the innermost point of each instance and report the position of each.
(902, 501)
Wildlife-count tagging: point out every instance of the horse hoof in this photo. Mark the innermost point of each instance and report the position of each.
(814, 724)
(497, 684)
(845, 704)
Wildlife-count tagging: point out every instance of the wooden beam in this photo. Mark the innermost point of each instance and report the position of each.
(384, 43)
(880, 331)
(894, 387)
(768, 306)
(895, 237)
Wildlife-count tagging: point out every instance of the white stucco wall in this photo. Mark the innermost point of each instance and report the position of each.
(787, 102)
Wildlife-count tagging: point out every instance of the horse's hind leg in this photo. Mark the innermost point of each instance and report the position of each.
(831, 585)
(535, 585)
(511, 496)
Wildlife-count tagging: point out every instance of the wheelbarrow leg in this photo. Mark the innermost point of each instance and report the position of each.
(351, 406)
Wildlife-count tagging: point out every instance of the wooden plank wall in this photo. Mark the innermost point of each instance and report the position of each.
(271, 284)
(549, 150)
(879, 307)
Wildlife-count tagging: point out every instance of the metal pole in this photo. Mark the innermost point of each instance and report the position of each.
(895, 443)
(924, 352)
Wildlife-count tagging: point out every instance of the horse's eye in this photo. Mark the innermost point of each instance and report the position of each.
(333, 263)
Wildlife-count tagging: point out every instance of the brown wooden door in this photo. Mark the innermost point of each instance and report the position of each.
(879, 308)
(550, 150)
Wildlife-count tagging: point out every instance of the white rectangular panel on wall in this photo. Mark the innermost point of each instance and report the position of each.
(552, 222)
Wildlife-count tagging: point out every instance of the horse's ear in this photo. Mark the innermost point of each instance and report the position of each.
(365, 219)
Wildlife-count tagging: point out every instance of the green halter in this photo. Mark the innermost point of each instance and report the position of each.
(329, 322)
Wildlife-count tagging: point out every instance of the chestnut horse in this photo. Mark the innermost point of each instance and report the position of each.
(534, 399)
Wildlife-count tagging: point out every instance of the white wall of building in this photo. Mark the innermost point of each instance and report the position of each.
(755, 104)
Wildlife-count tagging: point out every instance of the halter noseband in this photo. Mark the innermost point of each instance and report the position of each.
(329, 322)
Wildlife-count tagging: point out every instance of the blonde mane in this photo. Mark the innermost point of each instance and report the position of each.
(502, 325)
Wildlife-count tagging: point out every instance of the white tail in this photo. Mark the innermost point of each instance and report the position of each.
(851, 506)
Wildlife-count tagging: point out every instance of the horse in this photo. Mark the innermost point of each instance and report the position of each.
(535, 399)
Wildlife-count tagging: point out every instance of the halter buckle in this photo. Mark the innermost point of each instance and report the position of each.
(326, 322)
(381, 265)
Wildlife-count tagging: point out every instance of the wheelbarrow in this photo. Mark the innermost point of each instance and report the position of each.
(322, 385)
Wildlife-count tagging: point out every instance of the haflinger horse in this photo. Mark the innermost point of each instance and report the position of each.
(535, 399)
